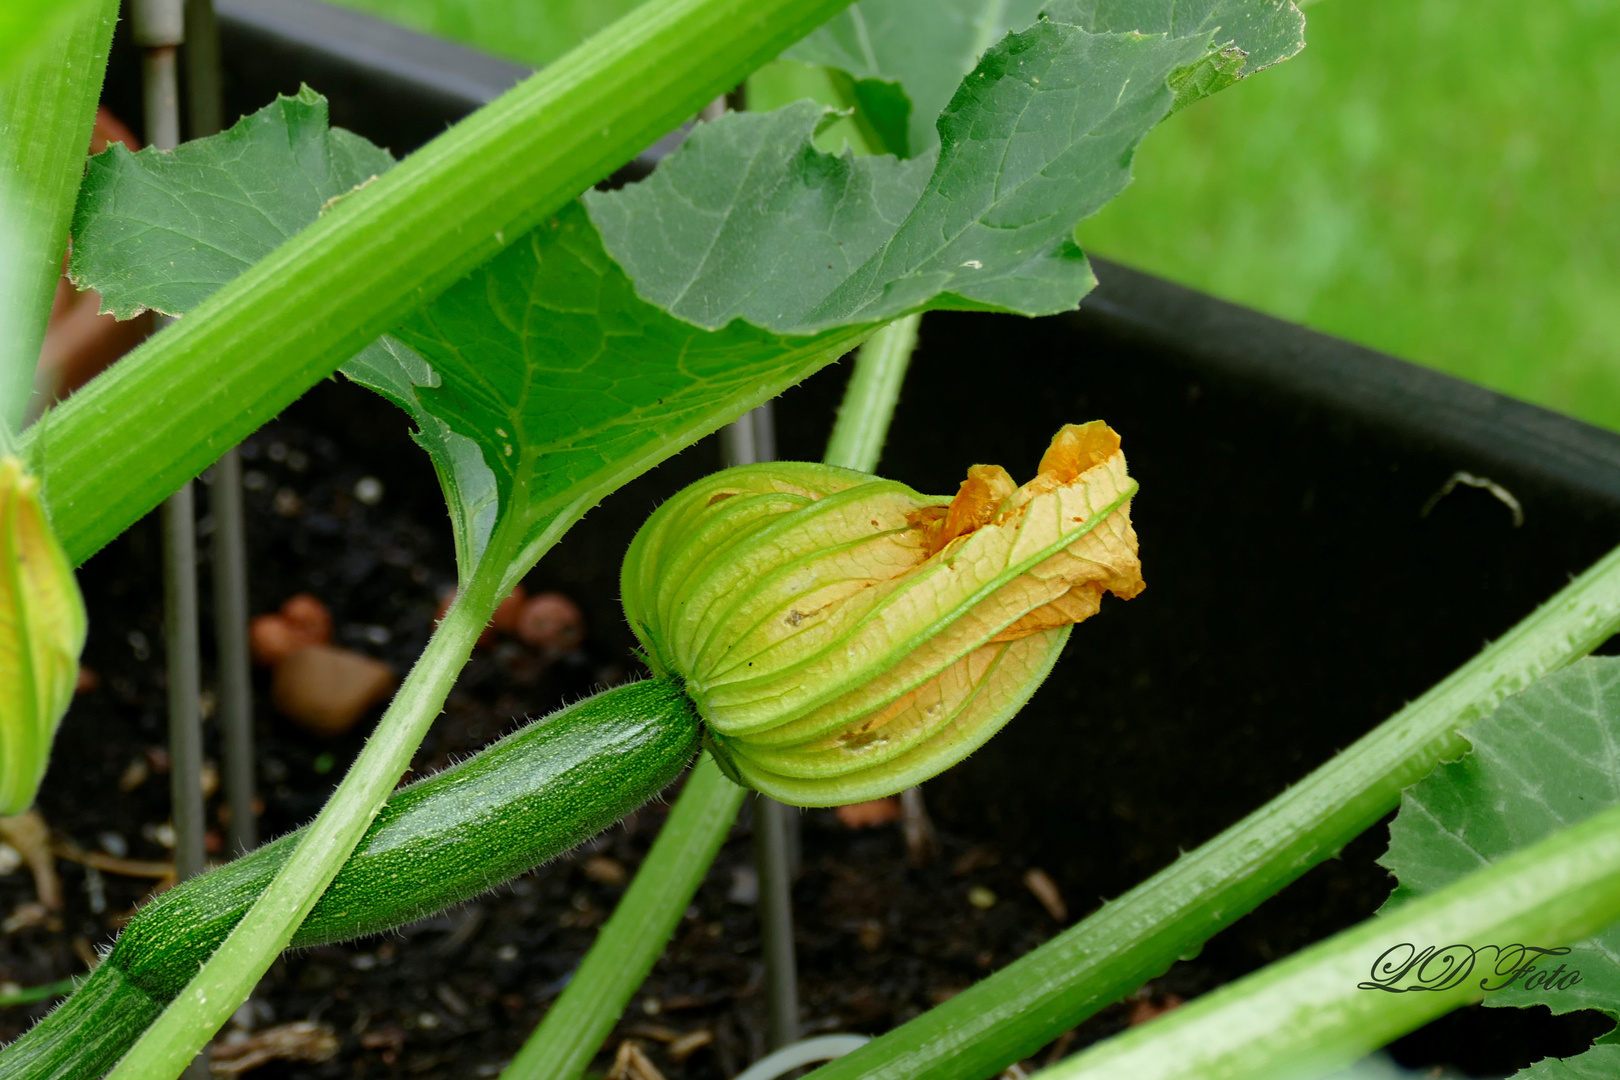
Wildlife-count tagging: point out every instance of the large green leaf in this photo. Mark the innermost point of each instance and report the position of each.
(755, 259)
(1602, 1062)
(393, 369)
(926, 46)
(1245, 36)
(572, 385)
(539, 384)
(164, 230)
(1547, 759)
(1039, 136)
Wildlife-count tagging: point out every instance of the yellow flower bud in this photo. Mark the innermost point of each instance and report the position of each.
(845, 637)
(42, 627)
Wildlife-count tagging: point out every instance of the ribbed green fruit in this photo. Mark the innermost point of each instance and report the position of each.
(445, 839)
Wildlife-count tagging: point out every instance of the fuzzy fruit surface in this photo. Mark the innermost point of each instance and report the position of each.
(526, 799)
(845, 637)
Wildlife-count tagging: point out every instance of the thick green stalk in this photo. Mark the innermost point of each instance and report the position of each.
(870, 398)
(47, 110)
(237, 965)
(30, 994)
(1138, 936)
(628, 946)
(25, 23)
(164, 413)
(1304, 1016)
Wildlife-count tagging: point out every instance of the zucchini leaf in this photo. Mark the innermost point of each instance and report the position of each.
(603, 344)
(927, 46)
(572, 386)
(164, 230)
(748, 220)
(539, 384)
(924, 46)
(1547, 759)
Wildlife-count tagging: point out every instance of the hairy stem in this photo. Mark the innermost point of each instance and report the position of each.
(164, 413)
(870, 398)
(1138, 936)
(1305, 1016)
(630, 942)
(237, 965)
(47, 110)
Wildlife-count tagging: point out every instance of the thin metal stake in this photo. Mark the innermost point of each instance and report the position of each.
(771, 820)
(231, 646)
(204, 104)
(752, 438)
(203, 115)
(159, 27)
(185, 714)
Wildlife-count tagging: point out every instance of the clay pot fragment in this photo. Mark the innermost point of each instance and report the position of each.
(552, 622)
(326, 690)
(302, 621)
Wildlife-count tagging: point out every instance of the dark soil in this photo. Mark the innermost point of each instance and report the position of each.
(1278, 627)
(455, 995)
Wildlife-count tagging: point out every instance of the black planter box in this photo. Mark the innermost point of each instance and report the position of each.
(1304, 579)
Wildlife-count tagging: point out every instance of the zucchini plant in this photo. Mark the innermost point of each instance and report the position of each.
(550, 345)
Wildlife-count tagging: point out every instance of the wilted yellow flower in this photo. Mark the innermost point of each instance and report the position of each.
(42, 629)
(844, 637)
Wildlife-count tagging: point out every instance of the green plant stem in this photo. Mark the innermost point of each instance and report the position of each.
(1304, 1016)
(633, 938)
(237, 965)
(47, 110)
(1138, 936)
(28, 995)
(870, 398)
(164, 413)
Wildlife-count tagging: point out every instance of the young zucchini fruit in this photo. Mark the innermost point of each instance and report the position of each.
(525, 799)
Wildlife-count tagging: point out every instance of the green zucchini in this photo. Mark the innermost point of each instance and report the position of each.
(525, 799)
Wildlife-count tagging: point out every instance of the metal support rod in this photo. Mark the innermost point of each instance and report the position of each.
(185, 715)
(771, 820)
(158, 26)
(752, 438)
(231, 648)
(160, 93)
(200, 57)
(200, 54)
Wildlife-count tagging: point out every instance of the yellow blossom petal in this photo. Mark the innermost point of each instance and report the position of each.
(838, 632)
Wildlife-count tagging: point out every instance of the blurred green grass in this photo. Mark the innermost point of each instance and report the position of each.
(1433, 178)
(529, 31)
